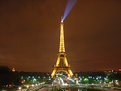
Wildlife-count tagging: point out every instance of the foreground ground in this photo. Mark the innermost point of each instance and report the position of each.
(49, 87)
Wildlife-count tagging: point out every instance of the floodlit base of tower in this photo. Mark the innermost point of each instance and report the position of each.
(57, 69)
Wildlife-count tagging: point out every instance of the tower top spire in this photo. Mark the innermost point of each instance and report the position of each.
(61, 46)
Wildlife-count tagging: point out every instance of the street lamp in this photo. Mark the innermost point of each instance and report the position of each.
(20, 88)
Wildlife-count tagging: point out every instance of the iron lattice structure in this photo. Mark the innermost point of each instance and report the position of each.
(62, 64)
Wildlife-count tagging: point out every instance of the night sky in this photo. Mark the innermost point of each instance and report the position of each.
(29, 34)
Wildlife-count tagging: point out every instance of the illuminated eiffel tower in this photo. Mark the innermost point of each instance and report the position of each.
(62, 64)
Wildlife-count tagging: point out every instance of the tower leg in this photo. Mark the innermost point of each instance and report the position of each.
(53, 73)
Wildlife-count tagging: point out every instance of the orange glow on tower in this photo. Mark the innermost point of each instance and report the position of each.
(62, 64)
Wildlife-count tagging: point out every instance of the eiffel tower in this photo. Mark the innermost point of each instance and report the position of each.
(62, 64)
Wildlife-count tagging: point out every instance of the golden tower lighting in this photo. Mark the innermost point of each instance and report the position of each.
(62, 64)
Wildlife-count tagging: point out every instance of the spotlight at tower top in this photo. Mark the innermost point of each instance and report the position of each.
(69, 6)
(61, 19)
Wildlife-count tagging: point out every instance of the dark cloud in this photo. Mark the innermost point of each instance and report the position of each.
(29, 34)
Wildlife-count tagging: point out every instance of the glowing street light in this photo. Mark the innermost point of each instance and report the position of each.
(20, 88)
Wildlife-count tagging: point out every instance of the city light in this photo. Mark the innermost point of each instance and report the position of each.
(19, 88)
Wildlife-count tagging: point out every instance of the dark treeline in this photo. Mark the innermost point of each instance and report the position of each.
(91, 73)
(8, 78)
